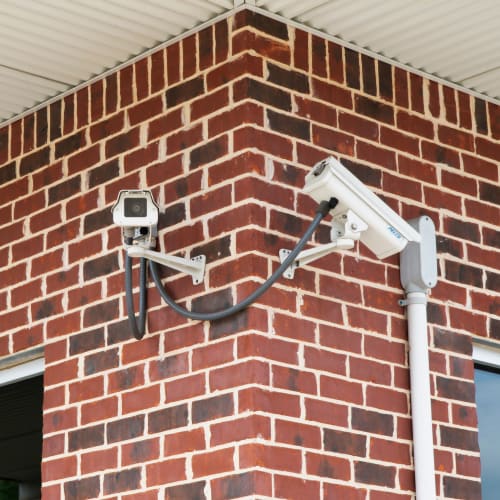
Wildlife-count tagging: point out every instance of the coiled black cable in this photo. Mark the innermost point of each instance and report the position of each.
(323, 209)
(137, 329)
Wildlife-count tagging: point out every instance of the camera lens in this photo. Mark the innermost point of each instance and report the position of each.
(135, 207)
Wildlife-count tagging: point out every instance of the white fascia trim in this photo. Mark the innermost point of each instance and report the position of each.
(486, 354)
(22, 371)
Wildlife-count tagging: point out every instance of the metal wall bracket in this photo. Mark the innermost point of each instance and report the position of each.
(312, 254)
(195, 266)
(346, 228)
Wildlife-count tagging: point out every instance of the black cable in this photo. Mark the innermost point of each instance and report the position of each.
(323, 209)
(137, 330)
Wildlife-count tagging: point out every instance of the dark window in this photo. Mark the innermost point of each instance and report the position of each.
(488, 409)
(21, 439)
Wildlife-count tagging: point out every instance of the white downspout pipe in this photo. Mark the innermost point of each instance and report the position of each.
(423, 444)
(419, 274)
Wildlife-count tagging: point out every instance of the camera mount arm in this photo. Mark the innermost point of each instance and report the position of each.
(346, 229)
(195, 266)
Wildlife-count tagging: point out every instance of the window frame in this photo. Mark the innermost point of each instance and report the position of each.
(486, 356)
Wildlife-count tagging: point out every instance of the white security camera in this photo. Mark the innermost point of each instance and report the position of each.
(386, 233)
(137, 213)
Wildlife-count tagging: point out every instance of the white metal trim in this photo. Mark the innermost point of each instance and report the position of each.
(486, 354)
(22, 371)
(272, 15)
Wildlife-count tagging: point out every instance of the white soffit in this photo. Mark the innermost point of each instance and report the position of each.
(50, 46)
(455, 40)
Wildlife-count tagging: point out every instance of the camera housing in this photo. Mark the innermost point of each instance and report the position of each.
(386, 233)
(137, 213)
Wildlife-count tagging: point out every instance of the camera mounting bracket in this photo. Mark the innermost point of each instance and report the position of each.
(346, 229)
(195, 266)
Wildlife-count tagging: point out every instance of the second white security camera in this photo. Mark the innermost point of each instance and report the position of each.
(137, 213)
(387, 233)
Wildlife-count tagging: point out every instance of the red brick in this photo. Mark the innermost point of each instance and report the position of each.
(140, 451)
(61, 372)
(213, 462)
(124, 379)
(330, 413)
(341, 389)
(326, 310)
(293, 327)
(178, 141)
(185, 388)
(332, 140)
(88, 388)
(328, 466)
(46, 219)
(359, 126)
(267, 347)
(370, 371)
(468, 465)
(93, 461)
(138, 351)
(464, 110)
(293, 379)
(243, 64)
(455, 138)
(26, 206)
(298, 434)
(387, 399)
(450, 104)
(477, 166)
(264, 46)
(28, 337)
(145, 110)
(240, 429)
(400, 141)
(271, 457)
(157, 71)
(60, 420)
(206, 47)
(105, 128)
(173, 63)
(252, 371)
(59, 468)
(327, 361)
(53, 445)
(301, 49)
(462, 319)
(247, 112)
(345, 492)
(262, 23)
(295, 488)
(167, 471)
(141, 77)
(332, 94)
(257, 399)
(385, 349)
(377, 155)
(243, 484)
(141, 399)
(482, 211)
(416, 92)
(184, 442)
(414, 124)
(438, 198)
(189, 55)
(209, 103)
(103, 409)
(401, 87)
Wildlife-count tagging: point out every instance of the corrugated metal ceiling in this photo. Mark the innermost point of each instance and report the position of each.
(49, 46)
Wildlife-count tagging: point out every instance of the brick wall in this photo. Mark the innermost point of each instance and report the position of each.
(306, 393)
